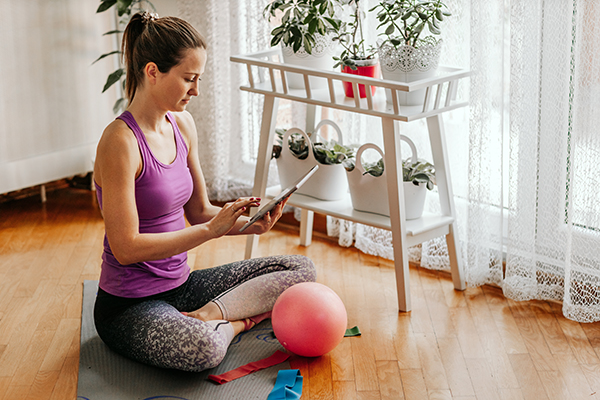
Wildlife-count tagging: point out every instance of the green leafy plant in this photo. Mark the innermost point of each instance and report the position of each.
(325, 152)
(351, 38)
(405, 20)
(125, 10)
(301, 20)
(417, 173)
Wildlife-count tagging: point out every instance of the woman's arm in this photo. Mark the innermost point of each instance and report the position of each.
(118, 162)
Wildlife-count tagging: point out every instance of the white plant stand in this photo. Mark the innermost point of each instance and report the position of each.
(266, 76)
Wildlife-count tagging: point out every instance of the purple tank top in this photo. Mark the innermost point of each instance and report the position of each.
(161, 191)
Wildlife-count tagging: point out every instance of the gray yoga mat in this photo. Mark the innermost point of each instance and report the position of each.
(105, 375)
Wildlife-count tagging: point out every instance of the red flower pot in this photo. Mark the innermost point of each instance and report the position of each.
(372, 71)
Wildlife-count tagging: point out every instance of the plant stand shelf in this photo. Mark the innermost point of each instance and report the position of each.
(267, 75)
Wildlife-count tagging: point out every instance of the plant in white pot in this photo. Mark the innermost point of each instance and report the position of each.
(356, 58)
(407, 54)
(294, 157)
(367, 178)
(304, 30)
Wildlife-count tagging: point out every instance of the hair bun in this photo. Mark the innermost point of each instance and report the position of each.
(148, 16)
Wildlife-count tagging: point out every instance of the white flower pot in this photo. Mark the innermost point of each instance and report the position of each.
(409, 64)
(328, 183)
(369, 193)
(320, 58)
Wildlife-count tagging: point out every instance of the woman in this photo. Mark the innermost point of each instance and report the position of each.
(148, 178)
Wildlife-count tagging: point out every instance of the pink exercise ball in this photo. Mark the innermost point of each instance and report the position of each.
(309, 319)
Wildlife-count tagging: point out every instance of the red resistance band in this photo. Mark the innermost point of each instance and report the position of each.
(277, 358)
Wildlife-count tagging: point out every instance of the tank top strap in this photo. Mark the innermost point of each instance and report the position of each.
(127, 117)
(182, 148)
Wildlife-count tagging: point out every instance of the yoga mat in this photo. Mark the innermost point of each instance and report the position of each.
(105, 375)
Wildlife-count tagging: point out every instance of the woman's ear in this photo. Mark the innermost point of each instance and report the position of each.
(151, 72)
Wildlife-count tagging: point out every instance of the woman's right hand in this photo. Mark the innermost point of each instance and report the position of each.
(222, 223)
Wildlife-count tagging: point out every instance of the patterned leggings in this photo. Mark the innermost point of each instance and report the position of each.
(153, 331)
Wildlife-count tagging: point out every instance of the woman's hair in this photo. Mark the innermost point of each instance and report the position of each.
(162, 41)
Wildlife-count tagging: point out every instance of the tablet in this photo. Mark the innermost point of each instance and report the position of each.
(280, 197)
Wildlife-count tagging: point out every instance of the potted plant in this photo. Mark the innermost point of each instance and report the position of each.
(355, 57)
(364, 179)
(407, 54)
(303, 28)
(296, 153)
(125, 10)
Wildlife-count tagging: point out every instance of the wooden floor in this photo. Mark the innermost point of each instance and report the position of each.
(453, 345)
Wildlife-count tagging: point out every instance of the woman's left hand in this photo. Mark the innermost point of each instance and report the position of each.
(266, 223)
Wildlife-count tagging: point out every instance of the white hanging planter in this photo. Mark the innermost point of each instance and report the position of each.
(328, 183)
(369, 193)
(320, 58)
(409, 64)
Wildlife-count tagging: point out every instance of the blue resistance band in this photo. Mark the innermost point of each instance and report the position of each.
(288, 385)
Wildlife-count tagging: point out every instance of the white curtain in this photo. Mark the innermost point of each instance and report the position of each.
(52, 111)
(524, 156)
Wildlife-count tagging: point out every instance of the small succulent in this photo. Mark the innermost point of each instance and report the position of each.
(405, 20)
(300, 21)
(325, 152)
(417, 173)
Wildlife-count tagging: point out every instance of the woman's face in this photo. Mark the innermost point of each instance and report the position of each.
(176, 87)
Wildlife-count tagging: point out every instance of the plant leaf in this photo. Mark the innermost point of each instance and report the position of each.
(113, 78)
(106, 55)
(105, 5)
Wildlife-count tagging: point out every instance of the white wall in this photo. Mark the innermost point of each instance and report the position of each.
(52, 111)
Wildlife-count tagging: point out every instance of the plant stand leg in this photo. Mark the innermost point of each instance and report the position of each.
(393, 164)
(267, 134)
(442, 174)
(306, 227)
(307, 216)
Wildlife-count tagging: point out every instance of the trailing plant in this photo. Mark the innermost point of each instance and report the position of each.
(125, 10)
(417, 173)
(325, 152)
(351, 38)
(301, 20)
(405, 20)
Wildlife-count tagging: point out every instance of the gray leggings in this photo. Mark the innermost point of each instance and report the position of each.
(153, 331)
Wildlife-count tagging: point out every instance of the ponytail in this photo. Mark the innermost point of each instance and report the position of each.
(162, 41)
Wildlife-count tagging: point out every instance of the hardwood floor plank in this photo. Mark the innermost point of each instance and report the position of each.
(573, 375)
(536, 344)
(578, 341)
(455, 366)
(529, 379)
(413, 383)
(433, 368)
(482, 379)
(66, 385)
(510, 394)
(498, 361)
(365, 368)
(43, 385)
(342, 365)
(390, 384)
(55, 357)
(592, 375)
(321, 383)
(440, 395)
(405, 343)
(344, 390)
(32, 360)
(467, 334)
(556, 389)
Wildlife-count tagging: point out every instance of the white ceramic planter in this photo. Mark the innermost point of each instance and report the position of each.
(409, 64)
(328, 183)
(369, 193)
(320, 58)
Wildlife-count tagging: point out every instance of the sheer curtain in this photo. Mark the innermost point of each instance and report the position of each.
(52, 110)
(523, 156)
